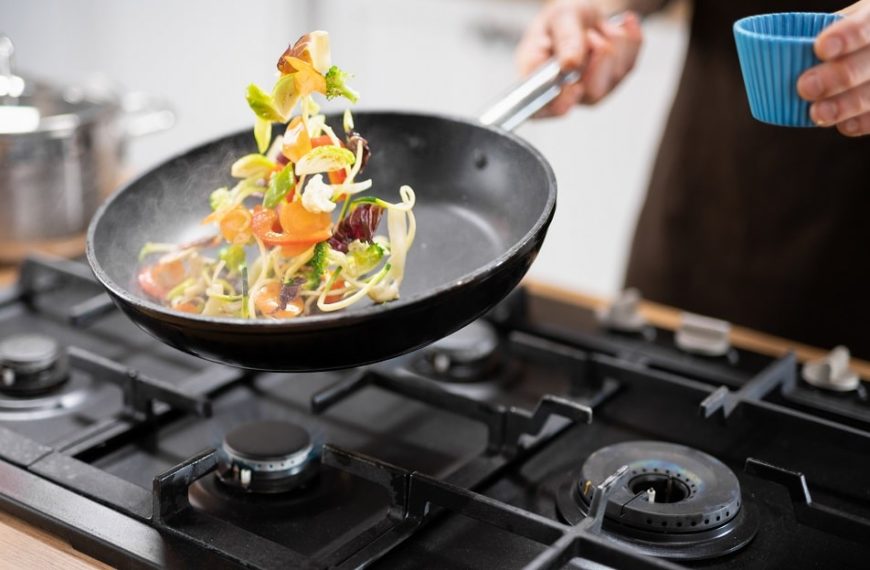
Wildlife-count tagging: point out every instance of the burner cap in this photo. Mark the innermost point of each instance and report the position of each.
(674, 501)
(468, 355)
(31, 363)
(267, 457)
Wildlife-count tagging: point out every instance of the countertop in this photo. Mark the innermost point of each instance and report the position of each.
(24, 546)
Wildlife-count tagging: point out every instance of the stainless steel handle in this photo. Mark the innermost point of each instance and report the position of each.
(145, 114)
(532, 93)
(528, 96)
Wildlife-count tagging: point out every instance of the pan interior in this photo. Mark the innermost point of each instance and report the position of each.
(479, 194)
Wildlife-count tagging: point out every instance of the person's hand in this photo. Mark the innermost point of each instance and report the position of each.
(578, 35)
(839, 87)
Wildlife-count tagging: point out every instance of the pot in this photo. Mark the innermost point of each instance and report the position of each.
(61, 153)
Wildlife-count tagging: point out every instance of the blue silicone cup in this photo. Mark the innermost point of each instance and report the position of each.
(774, 49)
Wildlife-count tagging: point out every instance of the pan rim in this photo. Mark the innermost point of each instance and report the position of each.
(342, 317)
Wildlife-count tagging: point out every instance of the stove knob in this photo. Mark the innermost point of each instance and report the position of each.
(832, 372)
(622, 313)
(703, 335)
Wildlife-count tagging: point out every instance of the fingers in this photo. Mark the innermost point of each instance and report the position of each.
(599, 69)
(613, 54)
(568, 41)
(846, 36)
(630, 40)
(564, 102)
(535, 47)
(568, 23)
(575, 33)
(839, 88)
(856, 126)
(836, 76)
(841, 107)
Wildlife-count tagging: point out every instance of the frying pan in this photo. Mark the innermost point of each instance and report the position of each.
(484, 201)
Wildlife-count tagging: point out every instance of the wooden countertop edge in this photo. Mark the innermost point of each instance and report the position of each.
(22, 545)
(669, 318)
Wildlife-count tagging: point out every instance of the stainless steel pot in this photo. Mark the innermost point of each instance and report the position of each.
(61, 153)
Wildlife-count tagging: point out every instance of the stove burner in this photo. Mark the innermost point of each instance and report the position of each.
(468, 355)
(267, 457)
(31, 364)
(674, 502)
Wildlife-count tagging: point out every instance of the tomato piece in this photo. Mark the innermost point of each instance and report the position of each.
(148, 284)
(322, 140)
(337, 176)
(265, 227)
(268, 302)
(156, 280)
(338, 285)
(235, 226)
(297, 143)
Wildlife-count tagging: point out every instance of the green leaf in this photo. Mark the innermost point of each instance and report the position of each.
(262, 105)
(336, 85)
(218, 198)
(252, 165)
(234, 257)
(151, 247)
(364, 200)
(284, 95)
(279, 186)
(324, 159)
(263, 134)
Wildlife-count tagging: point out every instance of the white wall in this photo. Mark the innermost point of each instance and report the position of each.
(449, 56)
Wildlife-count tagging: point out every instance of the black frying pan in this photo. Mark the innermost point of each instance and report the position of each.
(484, 201)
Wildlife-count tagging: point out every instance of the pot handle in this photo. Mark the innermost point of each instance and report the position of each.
(532, 93)
(145, 114)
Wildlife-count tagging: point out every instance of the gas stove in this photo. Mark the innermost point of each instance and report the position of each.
(544, 435)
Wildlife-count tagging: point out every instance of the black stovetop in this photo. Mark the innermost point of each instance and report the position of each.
(455, 456)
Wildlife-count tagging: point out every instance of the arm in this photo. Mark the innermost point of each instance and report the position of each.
(839, 87)
(578, 34)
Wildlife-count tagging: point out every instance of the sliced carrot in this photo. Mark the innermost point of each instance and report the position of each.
(235, 226)
(296, 220)
(296, 142)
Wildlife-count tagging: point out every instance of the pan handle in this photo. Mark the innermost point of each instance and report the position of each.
(532, 93)
(528, 96)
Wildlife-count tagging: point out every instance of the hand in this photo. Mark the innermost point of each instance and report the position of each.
(576, 32)
(839, 88)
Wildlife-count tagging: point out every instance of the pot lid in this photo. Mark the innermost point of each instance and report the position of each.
(31, 106)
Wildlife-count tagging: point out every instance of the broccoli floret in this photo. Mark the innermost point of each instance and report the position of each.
(364, 256)
(317, 265)
(336, 86)
(233, 256)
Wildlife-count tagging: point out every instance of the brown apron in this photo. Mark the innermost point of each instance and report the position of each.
(766, 227)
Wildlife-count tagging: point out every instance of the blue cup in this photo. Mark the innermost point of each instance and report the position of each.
(774, 50)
